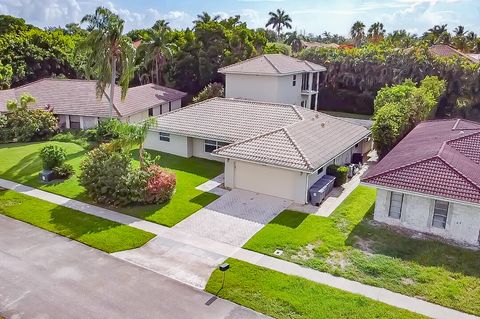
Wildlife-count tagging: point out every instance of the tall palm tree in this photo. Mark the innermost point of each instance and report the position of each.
(157, 47)
(460, 31)
(204, 17)
(376, 32)
(278, 20)
(357, 32)
(110, 53)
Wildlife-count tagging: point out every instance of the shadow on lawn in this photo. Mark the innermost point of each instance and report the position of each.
(382, 240)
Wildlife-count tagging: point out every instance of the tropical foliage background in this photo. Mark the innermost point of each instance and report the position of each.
(363, 62)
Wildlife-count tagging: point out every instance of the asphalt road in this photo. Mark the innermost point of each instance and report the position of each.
(43, 275)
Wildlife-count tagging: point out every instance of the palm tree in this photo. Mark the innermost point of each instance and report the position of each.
(357, 32)
(278, 20)
(132, 135)
(376, 32)
(205, 17)
(294, 40)
(157, 47)
(109, 52)
(460, 31)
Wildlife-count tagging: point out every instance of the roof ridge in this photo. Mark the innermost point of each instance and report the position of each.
(461, 137)
(305, 158)
(240, 62)
(457, 171)
(399, 167)
(271, 63)
(248, 139)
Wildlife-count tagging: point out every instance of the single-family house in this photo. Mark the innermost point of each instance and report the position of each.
(430, 182)
(274, 78)
(269, 148)
(76, 105)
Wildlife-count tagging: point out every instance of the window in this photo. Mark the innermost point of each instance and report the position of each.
(440, 212)
(320, 171)
(75, 122)
(305, 81)
(211, 145)
(294, 82)
(302, 104)
(150, 111)
(169, 106)
(161, 109)
(396, 201)
(164, 136)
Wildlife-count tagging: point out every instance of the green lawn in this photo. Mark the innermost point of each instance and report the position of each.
(284, 296)
(347, 244)
(20, 163)
(88, 229)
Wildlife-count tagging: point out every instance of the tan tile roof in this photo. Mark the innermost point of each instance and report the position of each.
(270, 133)
(272, 64)
(77, 97)
(447, 51)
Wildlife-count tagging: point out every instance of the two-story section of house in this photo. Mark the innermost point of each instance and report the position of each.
(275, 78)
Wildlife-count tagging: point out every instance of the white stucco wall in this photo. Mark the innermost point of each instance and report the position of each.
(278, 89)
(266, 180)
(178, 145)
(89, 122)
(199, 150)
(463, 221)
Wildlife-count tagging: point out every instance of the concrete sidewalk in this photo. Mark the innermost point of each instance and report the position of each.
(227, 250)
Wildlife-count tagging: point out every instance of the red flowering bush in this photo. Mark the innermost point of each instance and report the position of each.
(160, 185)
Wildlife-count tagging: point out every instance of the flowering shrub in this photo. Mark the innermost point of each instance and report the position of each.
(52, 156)
(160, 185)
(109, 178)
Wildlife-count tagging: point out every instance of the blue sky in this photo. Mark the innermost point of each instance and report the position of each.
(309, 16)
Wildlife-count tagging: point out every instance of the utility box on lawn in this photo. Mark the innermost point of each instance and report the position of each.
(47, 176)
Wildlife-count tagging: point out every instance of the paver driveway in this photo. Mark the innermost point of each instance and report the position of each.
(232, 219)
(235, 217)
(43, 275)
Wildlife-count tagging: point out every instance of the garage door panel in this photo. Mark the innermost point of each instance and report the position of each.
(270, 180)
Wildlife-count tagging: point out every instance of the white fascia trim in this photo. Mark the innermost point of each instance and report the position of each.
(408, 192)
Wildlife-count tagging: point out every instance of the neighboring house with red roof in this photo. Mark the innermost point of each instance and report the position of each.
(275, 78)
(430, 182)
(447, 51)
(76, 105)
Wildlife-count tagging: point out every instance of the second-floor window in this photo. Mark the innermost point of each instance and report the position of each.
(294, 81)
(305, 79)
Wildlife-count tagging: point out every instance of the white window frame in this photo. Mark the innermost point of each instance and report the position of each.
(440, 214)
(164, 137)
(395, 201)
(150, 111)
(214, 144)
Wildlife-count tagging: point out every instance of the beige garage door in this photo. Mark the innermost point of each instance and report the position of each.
(270, 180)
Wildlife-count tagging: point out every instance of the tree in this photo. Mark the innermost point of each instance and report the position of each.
(22, 103)
(210, 91)
(294, 40)
(204, 17)
(460, 31)
(278, 20)
(110, 53)
(131, 135)
(376, 32)
(157, 47)
(357, 32)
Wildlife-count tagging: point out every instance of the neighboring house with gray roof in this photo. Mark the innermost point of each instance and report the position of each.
(430, 181)
(270, 148)
(75, 104)
(274, 78)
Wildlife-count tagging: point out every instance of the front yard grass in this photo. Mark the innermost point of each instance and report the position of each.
(91, 230)
(285, 296)
(21, 163)
(348, 244)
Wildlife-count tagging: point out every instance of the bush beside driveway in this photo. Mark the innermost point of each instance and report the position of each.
(91, 230)
(350, 245)
(20, 163)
